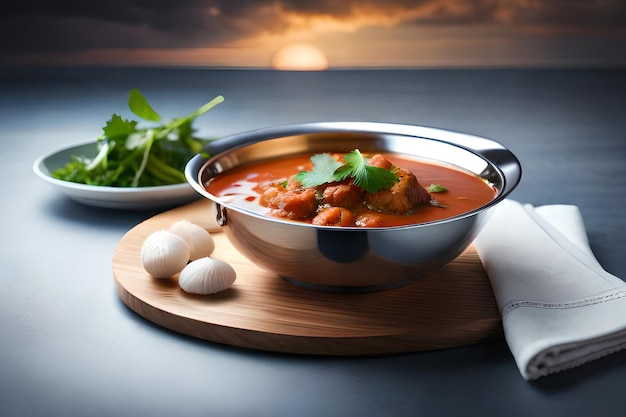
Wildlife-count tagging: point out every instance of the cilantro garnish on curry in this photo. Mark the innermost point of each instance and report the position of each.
(327, 168)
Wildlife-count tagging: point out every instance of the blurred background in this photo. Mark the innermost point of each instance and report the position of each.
(290, 34)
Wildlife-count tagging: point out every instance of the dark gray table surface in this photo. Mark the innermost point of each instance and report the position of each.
(70, 347)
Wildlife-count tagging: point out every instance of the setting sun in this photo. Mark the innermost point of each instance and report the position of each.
(299, 57)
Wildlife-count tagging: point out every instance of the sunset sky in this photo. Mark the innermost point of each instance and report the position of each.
(367, 33)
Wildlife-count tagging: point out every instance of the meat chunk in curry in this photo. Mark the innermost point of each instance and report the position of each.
(401, 198)
(342, 203)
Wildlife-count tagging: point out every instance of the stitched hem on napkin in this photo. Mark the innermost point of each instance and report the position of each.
(558, 343)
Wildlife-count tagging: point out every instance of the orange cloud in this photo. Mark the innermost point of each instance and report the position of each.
(549, 16)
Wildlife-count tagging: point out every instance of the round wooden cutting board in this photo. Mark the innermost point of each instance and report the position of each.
(453, 306)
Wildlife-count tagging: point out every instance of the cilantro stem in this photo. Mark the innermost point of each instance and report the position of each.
(193, 144)
(208, 106)
(200, 111)
(144, 161)
(104, 149)
(165, 173)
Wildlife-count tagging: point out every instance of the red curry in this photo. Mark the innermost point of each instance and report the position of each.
(271, 188)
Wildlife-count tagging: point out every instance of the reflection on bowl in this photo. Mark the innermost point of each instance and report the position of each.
(138, 198)
(353, 259)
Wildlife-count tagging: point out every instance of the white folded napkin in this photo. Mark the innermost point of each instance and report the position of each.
(559, 307)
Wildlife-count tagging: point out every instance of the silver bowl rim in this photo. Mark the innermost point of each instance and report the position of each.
(225, 145)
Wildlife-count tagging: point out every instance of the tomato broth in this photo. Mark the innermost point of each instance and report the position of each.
(464, 190)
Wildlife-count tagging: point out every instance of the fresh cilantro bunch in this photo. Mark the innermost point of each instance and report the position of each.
(134, 156)
(353, 165)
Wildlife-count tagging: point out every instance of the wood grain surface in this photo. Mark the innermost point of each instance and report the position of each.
(451, 307)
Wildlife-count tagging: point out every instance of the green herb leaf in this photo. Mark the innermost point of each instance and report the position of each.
(117, 126)
(324, 167)
(437, 188)
(138, 104)
(368, 177)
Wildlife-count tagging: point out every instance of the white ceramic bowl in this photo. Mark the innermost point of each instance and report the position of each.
(139, 198)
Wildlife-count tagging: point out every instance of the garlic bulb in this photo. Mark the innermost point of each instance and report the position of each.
(164, 254)
(200, 241)
(207, 276)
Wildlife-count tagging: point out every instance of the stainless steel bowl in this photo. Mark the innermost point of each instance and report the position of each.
(353, 259)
